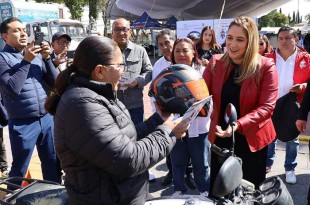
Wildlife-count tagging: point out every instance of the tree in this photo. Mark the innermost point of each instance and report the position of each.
(74, 6)
(280, 11)
(298, 17)
(294, 17)
(106, 18)
(307, 18)
(94, 7)
(273, 19)
(289, 19)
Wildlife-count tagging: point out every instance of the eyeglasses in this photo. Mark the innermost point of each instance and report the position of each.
(118, 30)
(118, 65)
(60, 42)
(261, 44)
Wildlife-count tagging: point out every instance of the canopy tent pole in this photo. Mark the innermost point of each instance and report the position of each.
(219, 22)
(152, 29)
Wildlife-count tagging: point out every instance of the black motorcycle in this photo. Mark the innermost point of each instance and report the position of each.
(229, 186)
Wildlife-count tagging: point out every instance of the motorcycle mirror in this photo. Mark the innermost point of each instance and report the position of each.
(228, 178)
(230, 114)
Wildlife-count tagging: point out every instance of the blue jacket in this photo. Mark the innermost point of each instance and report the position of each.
(23, 84)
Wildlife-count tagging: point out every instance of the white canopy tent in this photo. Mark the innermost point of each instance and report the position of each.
(191, 10)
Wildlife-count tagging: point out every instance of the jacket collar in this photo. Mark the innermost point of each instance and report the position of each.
(10, 49)
(130, 45)
(102, 88)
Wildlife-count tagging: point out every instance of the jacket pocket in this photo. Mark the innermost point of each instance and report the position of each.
(133, 65)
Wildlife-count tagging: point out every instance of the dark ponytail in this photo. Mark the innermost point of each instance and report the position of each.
(91, 52)
(61, 83)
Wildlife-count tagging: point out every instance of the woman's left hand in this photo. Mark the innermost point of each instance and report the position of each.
(225, 133)
(205, 62)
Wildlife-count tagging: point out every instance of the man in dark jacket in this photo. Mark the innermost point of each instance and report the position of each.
(25, 70)
(302, 117)
(304, 110)
(60, 44)
(307, 42)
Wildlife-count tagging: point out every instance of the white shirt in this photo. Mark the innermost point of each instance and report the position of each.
(201, 124)
(285, 71)
(160, 65)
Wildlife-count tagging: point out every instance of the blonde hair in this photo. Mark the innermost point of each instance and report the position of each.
(252, 59)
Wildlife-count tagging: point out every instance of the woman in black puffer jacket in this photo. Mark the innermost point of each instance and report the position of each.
(104, 155)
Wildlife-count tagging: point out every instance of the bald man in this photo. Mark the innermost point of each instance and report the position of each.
(138, 70)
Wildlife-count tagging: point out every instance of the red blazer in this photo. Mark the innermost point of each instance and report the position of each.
(301, 70)
(257, 102)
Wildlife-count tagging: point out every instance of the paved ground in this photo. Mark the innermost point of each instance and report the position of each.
(298, 191)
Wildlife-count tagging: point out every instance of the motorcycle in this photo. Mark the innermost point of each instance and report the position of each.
(229, 186)
(35, 192)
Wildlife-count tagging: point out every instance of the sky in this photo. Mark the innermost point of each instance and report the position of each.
(304, 7)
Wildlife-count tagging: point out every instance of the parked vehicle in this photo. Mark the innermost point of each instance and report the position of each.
(43, 17)
(48, 28)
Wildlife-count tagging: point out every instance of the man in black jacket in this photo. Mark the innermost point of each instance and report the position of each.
(304, 110)
(302, 117)
(307, 42)
(60, 44)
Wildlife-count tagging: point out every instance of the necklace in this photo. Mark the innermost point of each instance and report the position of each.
(236, 70)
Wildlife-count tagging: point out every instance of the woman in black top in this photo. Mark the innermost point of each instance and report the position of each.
(206, 46)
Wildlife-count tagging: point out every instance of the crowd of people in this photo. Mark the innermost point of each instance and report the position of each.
(86, 123)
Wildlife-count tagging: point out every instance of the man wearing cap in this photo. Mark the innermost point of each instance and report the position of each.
(60, 44)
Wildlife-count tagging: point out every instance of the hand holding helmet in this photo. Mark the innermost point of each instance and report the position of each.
(178, 126)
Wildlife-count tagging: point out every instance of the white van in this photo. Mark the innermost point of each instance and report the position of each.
(73, 28)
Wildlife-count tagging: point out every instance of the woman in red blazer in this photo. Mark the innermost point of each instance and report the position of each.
(249, 81)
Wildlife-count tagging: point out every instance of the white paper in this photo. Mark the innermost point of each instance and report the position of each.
(194, 110)
(124, 82)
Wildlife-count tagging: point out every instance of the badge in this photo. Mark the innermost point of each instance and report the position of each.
(302, 64)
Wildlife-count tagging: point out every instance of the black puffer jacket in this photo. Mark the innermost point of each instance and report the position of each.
(105, 157)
